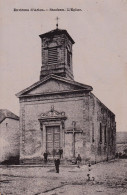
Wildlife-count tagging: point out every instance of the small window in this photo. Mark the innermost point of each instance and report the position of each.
(109, 139)
(112, 136)
(52, 56)
(105, 135)
(92, 132)
(100, 133)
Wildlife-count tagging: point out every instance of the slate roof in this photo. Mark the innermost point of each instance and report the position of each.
(56, 32)
(4, 113)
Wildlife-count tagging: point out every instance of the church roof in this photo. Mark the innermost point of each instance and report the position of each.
(4, 113)
(56, 32)
(52, 76)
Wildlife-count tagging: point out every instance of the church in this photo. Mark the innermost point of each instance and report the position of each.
(59, 114)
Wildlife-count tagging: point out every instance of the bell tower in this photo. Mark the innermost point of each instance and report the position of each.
(56, 54)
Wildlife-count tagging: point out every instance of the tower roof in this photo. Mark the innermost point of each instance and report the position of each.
(57, 32)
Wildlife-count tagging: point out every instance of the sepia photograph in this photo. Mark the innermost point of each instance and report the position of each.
(63, 97)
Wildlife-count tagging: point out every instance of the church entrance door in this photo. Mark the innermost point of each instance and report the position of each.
(53, 140)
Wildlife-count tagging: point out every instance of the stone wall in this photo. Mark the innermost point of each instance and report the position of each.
(31, 134)
(9, 139)
(88, 113)
(103, 118)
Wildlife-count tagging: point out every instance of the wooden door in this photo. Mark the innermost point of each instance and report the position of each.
(53, 140)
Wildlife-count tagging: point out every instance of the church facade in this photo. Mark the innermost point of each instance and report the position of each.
(59, 114)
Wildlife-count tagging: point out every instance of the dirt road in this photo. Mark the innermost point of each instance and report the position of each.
(109, 179)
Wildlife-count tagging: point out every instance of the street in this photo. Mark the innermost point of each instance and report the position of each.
(107, 178)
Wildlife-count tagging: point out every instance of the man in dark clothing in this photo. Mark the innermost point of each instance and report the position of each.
(57, 163)
(45, 157)
(78, 160)
(61, 152)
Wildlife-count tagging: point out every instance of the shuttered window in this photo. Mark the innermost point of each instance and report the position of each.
(52, 56)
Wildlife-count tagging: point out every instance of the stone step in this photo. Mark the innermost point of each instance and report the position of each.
(41, 162)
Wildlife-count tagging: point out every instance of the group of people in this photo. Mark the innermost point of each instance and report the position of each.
(46, 155)
(57, 160)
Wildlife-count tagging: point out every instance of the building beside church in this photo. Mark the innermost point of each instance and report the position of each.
(9, 135)
(58, 113)
(121, 143)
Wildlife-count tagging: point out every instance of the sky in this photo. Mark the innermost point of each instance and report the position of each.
(99, 52)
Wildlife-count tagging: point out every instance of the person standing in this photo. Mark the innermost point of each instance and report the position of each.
(57, 163)
(45, 157)
(78, 160)
(61, 153)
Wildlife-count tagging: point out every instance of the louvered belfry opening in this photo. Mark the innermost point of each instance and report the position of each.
(52, 56)
(57, 54)
(68, 58)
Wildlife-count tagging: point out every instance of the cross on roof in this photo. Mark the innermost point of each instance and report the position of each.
(57, 22)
